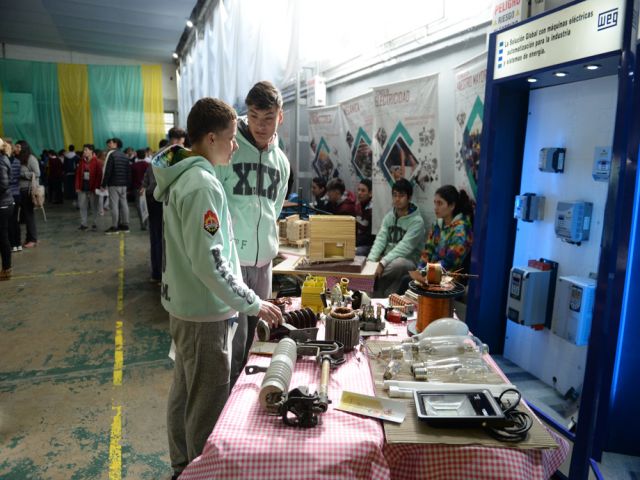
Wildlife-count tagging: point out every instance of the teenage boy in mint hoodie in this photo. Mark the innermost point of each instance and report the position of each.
(256, 186)
(399, 242)
(202, 287)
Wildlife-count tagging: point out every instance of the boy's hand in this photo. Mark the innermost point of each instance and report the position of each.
(270, 313)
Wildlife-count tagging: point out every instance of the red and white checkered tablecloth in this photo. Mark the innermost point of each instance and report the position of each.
(248, 443)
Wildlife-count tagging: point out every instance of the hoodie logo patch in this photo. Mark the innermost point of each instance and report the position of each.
(211, 223)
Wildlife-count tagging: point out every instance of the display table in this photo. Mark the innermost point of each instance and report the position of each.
(248, 443)
(363, 280)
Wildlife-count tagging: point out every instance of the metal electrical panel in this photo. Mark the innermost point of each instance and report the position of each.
(573, 221)
(573, 309)
(551, 160)
(529, 207)
(528, 295)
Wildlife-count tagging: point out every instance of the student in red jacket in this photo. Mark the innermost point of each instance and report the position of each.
(88, 179)
(341, 201)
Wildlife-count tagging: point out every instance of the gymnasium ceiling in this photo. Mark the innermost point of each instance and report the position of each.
(147, 30)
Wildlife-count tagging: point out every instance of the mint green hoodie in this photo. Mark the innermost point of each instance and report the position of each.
(399, 237)
(256, 185)
(201, 278)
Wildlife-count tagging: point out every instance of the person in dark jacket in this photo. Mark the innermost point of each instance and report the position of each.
(70, 162)
(6, 209)
(14, 185)
(155, 223)
(55, 168)
(117, 177)
(341, 201)
(364, 237)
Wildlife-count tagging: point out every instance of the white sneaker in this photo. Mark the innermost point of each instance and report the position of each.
(19, 248)
(14, 249)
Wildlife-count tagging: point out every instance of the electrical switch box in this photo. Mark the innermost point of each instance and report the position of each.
(551, 160)
(573, 221)
(528, 295)
(573, 310)
(601, 164)
(529, 207)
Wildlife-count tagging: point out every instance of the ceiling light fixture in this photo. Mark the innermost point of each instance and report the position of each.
(189, 24)
(592, 66)
(174, 55)
(532, 80)
(561, 74)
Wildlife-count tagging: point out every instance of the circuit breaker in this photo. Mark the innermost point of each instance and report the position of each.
(528, 295)
(573, 310)
(529, 207)
(573, 221)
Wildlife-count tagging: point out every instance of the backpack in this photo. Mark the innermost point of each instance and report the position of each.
(37, 193)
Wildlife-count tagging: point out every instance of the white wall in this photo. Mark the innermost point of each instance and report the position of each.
(22, 52)
(578, 116)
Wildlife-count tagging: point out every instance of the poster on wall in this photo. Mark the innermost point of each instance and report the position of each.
(358, 123)
(329, 157)
(405, 144)
(470, 80)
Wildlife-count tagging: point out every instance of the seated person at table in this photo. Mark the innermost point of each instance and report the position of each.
(319, 191)
(202, 287)
(364, 238)
(341, 201)
(451, 236)
(398, 243)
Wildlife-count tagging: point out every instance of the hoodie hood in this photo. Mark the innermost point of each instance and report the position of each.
(169, 164)
(245, 134)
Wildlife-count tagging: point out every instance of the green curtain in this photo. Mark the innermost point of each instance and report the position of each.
(30, 103)
(117, 105)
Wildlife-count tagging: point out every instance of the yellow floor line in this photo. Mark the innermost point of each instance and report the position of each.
(121, 277)
(118, 360)
(115, 444)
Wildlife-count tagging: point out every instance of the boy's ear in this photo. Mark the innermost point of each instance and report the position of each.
(280, 116)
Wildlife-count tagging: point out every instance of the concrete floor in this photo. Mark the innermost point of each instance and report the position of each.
(58, 315)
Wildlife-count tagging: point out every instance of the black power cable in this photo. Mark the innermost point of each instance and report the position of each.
(517, 423)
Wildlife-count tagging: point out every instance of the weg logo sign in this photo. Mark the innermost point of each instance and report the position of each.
(608, 19)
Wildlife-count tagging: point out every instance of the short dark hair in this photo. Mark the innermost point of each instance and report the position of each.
(403, 186)
(72, 147)
(336, 184)
(141, 153)
(208, 115)
(263, 96)
(177, 132)
(163, 143)
(117, 141)
(321, 182)
(89, 146)
(367, 183)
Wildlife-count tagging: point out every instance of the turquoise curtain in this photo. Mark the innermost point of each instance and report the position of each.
(117, 105)
(30, 103)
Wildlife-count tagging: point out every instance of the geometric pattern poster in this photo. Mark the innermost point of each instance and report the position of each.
(358, 123)
(330, 158)
(470, 81)
(405, 144)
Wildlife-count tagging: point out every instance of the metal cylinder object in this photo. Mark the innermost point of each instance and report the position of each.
(420, 373)
(434, 302)
(343, 325)
(278, 376)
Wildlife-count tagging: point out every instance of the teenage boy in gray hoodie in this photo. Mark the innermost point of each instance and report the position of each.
(202, 288)
(399, 242)
(256, 186)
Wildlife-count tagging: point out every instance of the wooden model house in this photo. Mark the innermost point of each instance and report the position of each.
(293, 231)
(331, 238)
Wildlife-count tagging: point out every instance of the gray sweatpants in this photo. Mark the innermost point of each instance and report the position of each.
(87, 200)
(119, 206)
(392, 276)
(257, 279)
(200, 386)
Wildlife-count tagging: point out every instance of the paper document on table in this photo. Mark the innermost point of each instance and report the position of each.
(375, 407)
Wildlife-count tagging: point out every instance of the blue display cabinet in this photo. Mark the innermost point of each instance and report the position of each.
(581, 41)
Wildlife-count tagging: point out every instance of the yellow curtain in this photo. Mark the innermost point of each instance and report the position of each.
(153, 108)
(75, 107)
